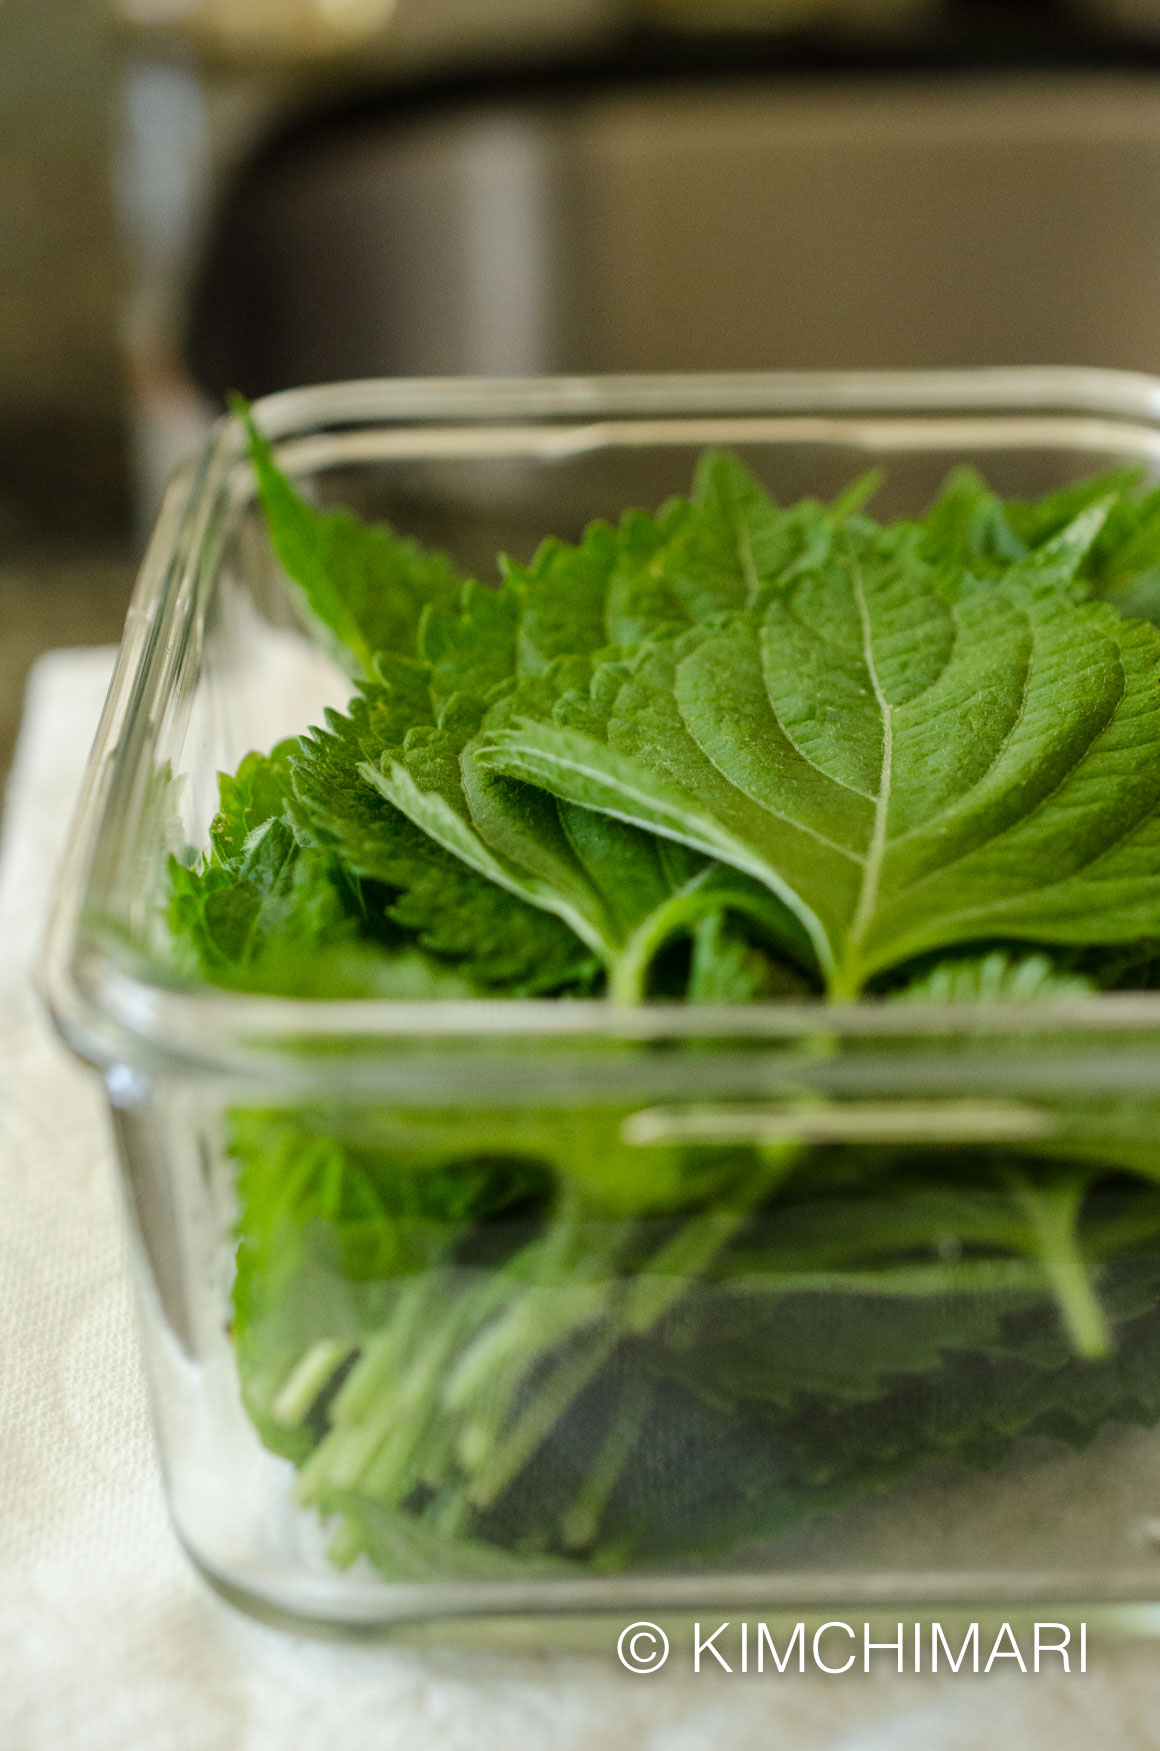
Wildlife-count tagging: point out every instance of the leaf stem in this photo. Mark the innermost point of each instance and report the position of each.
(565, 1384)
(318, 1366)
(1052, 1213)
(629, 978)
(1016, 1277)
(876, 852)
(581, 1521)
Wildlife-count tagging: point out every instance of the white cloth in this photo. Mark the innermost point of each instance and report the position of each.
(110, 1642)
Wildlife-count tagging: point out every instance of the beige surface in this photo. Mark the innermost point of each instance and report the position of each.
(108, 1642)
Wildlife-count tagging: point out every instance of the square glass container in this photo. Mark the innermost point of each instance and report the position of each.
(731, 1346)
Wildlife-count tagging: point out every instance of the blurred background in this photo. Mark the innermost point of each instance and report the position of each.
(199, 195)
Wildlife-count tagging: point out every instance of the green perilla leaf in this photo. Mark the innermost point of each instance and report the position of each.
(365, 585)
(905, 769)
(493, 936)
(615, 886)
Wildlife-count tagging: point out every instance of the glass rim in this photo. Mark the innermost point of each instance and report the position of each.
(112, 1012)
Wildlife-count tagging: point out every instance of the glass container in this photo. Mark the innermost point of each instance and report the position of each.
(715, 1344)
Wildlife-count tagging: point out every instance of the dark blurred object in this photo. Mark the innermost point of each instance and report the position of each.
(1134, 17)
(861, 18)
(713, 225)
(639, 184)
(205, 81)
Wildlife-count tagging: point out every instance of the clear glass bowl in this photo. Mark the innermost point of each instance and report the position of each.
(545, 1419)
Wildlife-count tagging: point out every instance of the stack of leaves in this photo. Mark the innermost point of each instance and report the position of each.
(726, 753)
(815, 749)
